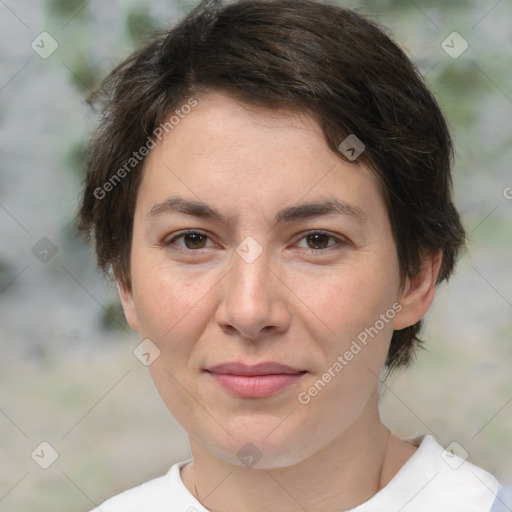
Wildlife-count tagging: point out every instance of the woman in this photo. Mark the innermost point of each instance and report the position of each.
(270, 187)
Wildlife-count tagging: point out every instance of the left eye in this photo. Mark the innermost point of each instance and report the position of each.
(195, 240)
(320, 238)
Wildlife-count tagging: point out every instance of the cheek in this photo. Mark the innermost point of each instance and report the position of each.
(358, 308)
(172, 314)
(165, 296)
(350, 299)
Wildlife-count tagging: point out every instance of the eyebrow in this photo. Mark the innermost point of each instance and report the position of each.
(176, 204)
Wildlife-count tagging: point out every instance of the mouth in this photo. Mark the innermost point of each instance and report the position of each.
(256, 381)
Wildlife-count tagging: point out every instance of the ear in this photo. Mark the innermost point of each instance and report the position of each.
(419, 292)
(130, 312)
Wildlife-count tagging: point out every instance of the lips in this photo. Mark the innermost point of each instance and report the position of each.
(255, 381)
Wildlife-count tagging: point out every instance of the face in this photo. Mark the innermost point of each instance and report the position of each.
(256, 276)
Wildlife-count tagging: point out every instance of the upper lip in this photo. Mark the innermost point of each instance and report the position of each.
(268, 368)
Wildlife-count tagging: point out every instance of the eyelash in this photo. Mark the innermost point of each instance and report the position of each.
(339, 241)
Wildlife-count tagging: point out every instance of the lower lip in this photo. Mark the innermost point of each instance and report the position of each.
(256, 386)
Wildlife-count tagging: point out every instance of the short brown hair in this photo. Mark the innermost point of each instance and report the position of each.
(318, 58)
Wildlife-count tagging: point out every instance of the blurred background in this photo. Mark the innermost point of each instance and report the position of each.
(68, 375)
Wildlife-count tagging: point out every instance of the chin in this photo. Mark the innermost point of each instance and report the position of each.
(259, 450)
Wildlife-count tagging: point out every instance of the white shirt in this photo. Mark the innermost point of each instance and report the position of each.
(432, 480)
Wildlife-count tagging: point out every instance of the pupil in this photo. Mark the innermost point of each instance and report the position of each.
(315, 239)
(195, 237)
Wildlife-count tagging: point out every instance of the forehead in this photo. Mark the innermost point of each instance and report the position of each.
(226, 152)
(228, 126)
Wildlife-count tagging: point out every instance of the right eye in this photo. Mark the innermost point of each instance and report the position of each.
(193, 241)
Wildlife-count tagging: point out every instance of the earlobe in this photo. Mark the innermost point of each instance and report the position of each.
(130, 312)
(419, 292)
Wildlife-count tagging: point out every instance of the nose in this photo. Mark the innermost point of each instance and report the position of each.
(254, 300)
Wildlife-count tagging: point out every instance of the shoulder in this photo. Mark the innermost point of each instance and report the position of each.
(503, 501)
(460, 483)
(157, 495)
(149, 494)
(436, 478)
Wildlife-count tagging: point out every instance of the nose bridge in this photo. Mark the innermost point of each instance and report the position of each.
(250, 302)
(250, 278)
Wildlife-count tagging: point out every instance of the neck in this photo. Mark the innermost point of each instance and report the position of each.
(343, 474)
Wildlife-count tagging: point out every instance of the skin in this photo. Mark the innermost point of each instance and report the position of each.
(206, 305)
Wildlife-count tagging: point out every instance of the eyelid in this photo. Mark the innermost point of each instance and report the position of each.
(340, 240)
(169, 240)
